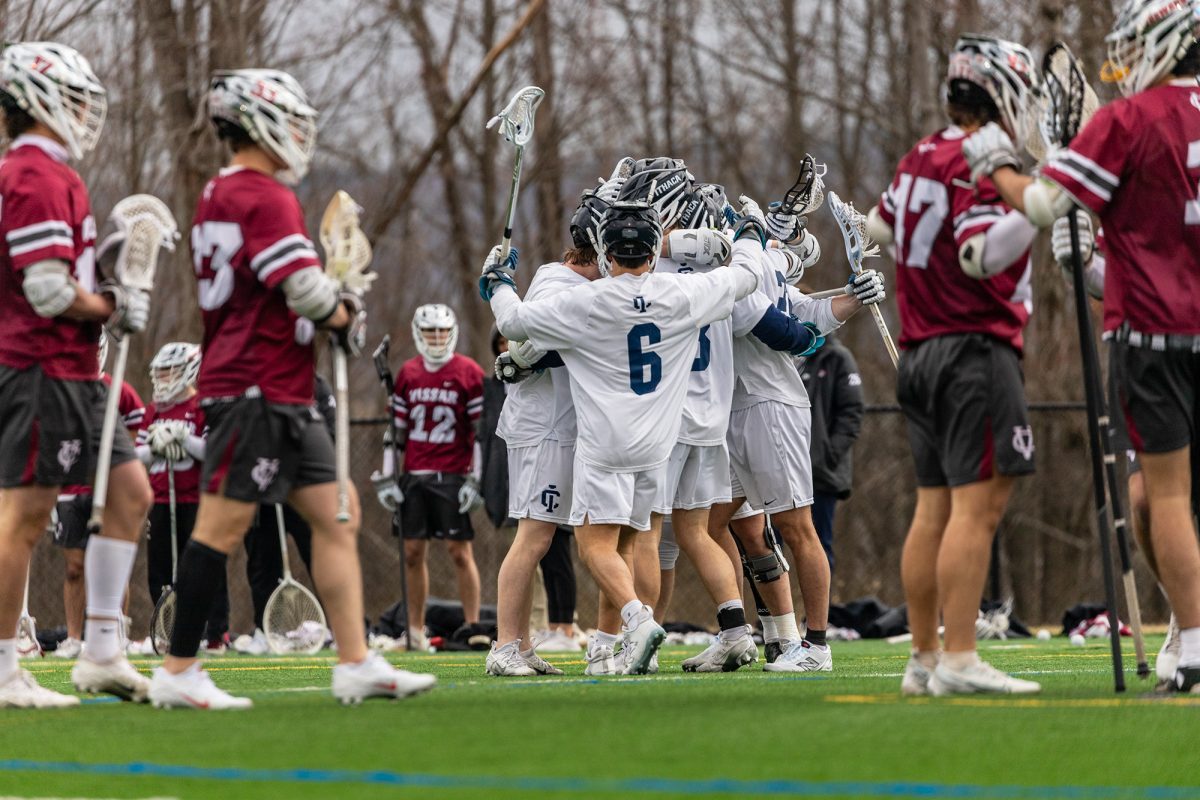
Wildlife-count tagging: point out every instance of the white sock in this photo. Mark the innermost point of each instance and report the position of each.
(770, 634)
(785, 626)
(960, 661)
(926, 658)
(8, 658)
(107, 566)
(1189, 655)
(607, 639)
(634, 613)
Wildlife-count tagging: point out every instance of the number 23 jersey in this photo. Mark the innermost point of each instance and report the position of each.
(439, 410)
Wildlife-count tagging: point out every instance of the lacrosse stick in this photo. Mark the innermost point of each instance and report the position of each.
(347, 260)
(389, 388)
(1069, 104)
(808, 192)
(162, 622)
(28, 645)
(148, 227)
(516, 126)
(858, 247)
(828, 293)
(292, 620)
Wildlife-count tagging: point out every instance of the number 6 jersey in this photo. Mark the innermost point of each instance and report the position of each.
(439, 410)
(933, 209)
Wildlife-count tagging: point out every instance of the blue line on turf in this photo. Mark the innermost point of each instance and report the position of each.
(596, 786)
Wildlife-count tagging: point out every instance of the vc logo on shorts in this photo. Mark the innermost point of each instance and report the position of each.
(1022, 441)
(68, 453)
(550, 497)
(264, 472)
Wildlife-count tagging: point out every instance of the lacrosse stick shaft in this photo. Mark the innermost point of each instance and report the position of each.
(886, 335)
(283, 548)
(1091, 378)
(506, 242)
(107, 431)
(174, 524)
(341, 390)
(389, 389)
(829, 293)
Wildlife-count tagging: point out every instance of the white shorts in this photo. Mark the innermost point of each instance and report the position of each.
(539, 481)
(744, 510)
(616, 498)
(697, 477)
(769, 451)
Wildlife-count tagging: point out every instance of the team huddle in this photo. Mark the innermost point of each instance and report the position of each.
(651, 373)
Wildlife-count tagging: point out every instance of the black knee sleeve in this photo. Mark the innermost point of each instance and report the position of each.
(201, 577)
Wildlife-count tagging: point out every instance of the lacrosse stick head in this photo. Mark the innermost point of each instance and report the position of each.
(853, 225)
(516, 118)
(144, 226)
(1066, 101)
(347, 251)
(162, 622)
(293, 620)
(808, 192)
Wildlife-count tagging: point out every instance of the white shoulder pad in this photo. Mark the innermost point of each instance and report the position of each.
(970, 257)
(1045, 202)
(48, 287)
(877, 229)
(311, 294)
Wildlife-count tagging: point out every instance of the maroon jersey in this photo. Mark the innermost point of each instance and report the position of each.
(44, 214)
(933, 209)
(132, 411)
(439, 410)
(1137, 165)
(248, 235)
(187, 472)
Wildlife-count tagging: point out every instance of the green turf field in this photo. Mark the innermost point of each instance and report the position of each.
(747, 734)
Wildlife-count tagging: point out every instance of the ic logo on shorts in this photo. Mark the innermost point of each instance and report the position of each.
(1022, 441)
(550, 497)
(68, 453)
(264, 472)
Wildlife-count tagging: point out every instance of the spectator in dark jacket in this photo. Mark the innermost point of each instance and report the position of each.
(492, 447)
(835, 389)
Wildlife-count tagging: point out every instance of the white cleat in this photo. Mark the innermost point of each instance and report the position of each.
(192, 688)
(979, 678)
(116, 677)
(916, 678)
(375, 677)
(539, 665)
(724, 656)
(640, 645)
(600, 659)
(507, 662)
(1168, 657)
(22, 691)
(802, 656)
(653, 668)
(68, 648)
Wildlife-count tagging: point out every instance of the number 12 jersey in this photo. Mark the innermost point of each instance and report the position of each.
(439, 410)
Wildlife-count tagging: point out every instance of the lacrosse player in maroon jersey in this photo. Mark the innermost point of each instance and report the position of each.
(1136, 164)
(962, 284)
(438, 403)
(51, 402)
(262, 293)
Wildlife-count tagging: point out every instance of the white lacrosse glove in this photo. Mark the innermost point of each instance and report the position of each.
(497, 271)
(469, 497)
(701, 249)
(988, 149)
(750, 221)
(131, 309)
(507, 370)
(784, 227)
(1060, 239)
(163, 444)
(386, 490)
(867, 287)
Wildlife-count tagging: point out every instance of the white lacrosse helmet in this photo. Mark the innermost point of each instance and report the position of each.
(1003, 69)
(435, 332)
(273, 110)
(173, 370)
(56, 86)
(1148, 38)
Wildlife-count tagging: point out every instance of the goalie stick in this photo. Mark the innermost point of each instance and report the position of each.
(148, 227)
(384, 371)
(858, 247)
(348, 261)
(516, 126)
(1068, 104)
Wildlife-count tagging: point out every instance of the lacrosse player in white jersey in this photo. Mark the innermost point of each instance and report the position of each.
(541, 454)
(769, 445)
(628, 343)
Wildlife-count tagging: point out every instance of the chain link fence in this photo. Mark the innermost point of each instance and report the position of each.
(1048, 552)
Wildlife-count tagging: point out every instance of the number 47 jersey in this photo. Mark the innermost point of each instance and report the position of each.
(439, 410)
(933, 209)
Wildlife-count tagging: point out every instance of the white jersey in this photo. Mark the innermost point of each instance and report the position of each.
(540, 407)
(763, 373)
(629, 343)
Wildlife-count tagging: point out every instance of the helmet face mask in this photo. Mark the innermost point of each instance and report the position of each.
(1004, 70)
(273, 110)
(56, 86)
(1149, 37)
(173, 371)
(435, 333)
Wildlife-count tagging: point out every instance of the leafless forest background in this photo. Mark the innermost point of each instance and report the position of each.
(740, 89)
